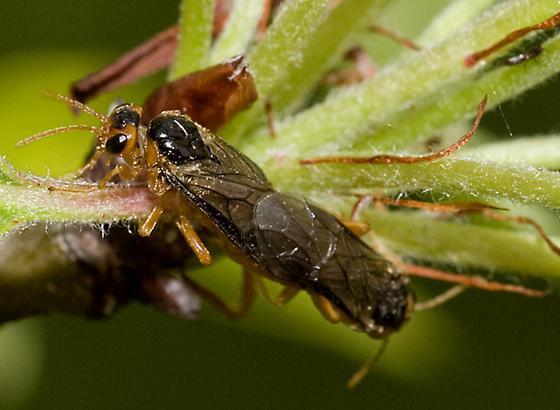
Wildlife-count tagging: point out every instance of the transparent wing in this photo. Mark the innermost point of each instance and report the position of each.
(300, 243)
(226, 189)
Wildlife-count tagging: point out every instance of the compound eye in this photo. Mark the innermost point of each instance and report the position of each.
(116, 144)
(123, 116)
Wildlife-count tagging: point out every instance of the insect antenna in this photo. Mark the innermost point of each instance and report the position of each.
(74, 104)
(366, 367)
(54, 131)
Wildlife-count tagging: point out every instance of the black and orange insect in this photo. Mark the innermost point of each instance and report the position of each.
(199, 179)
(196, 176)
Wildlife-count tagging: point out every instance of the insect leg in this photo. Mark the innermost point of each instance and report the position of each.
(247, 297)
(326, 308)
(194, 240)
(357, 227)
(110, 175)
(353, 223)
(51, 184)
(366, 367)
(54, 185)
(285, 295)
(150, 223)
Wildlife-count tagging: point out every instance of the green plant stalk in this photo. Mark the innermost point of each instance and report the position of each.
(195, 36)
(280, 51)
(464, 245)
(318, 59)
(539, 151)
(477, 178)
(457, 101)
(349, 114)
(22, 205)
(455, 16)
(239, 31)
(278, 54)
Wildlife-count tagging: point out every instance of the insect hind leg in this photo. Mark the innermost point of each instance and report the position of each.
(248, 294)
(366, 367)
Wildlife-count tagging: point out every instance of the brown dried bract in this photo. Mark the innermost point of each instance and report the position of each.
(148, 58)
(152, 56)
(210, 97)
(471, 281)
(395, 37)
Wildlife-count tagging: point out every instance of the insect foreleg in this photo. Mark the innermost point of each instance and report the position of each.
(111, 174)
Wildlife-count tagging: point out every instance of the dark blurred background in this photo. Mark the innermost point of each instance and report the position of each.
(480, 350)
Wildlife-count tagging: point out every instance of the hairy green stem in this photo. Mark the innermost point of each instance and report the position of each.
(477, 178)
(347, 115)
(464, 245)
(195, 35)
(239, 31)
(279, 54)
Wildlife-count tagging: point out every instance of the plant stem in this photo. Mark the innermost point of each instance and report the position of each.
(195, 35)
(347, 115)
(239, 31)
(475, 178)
